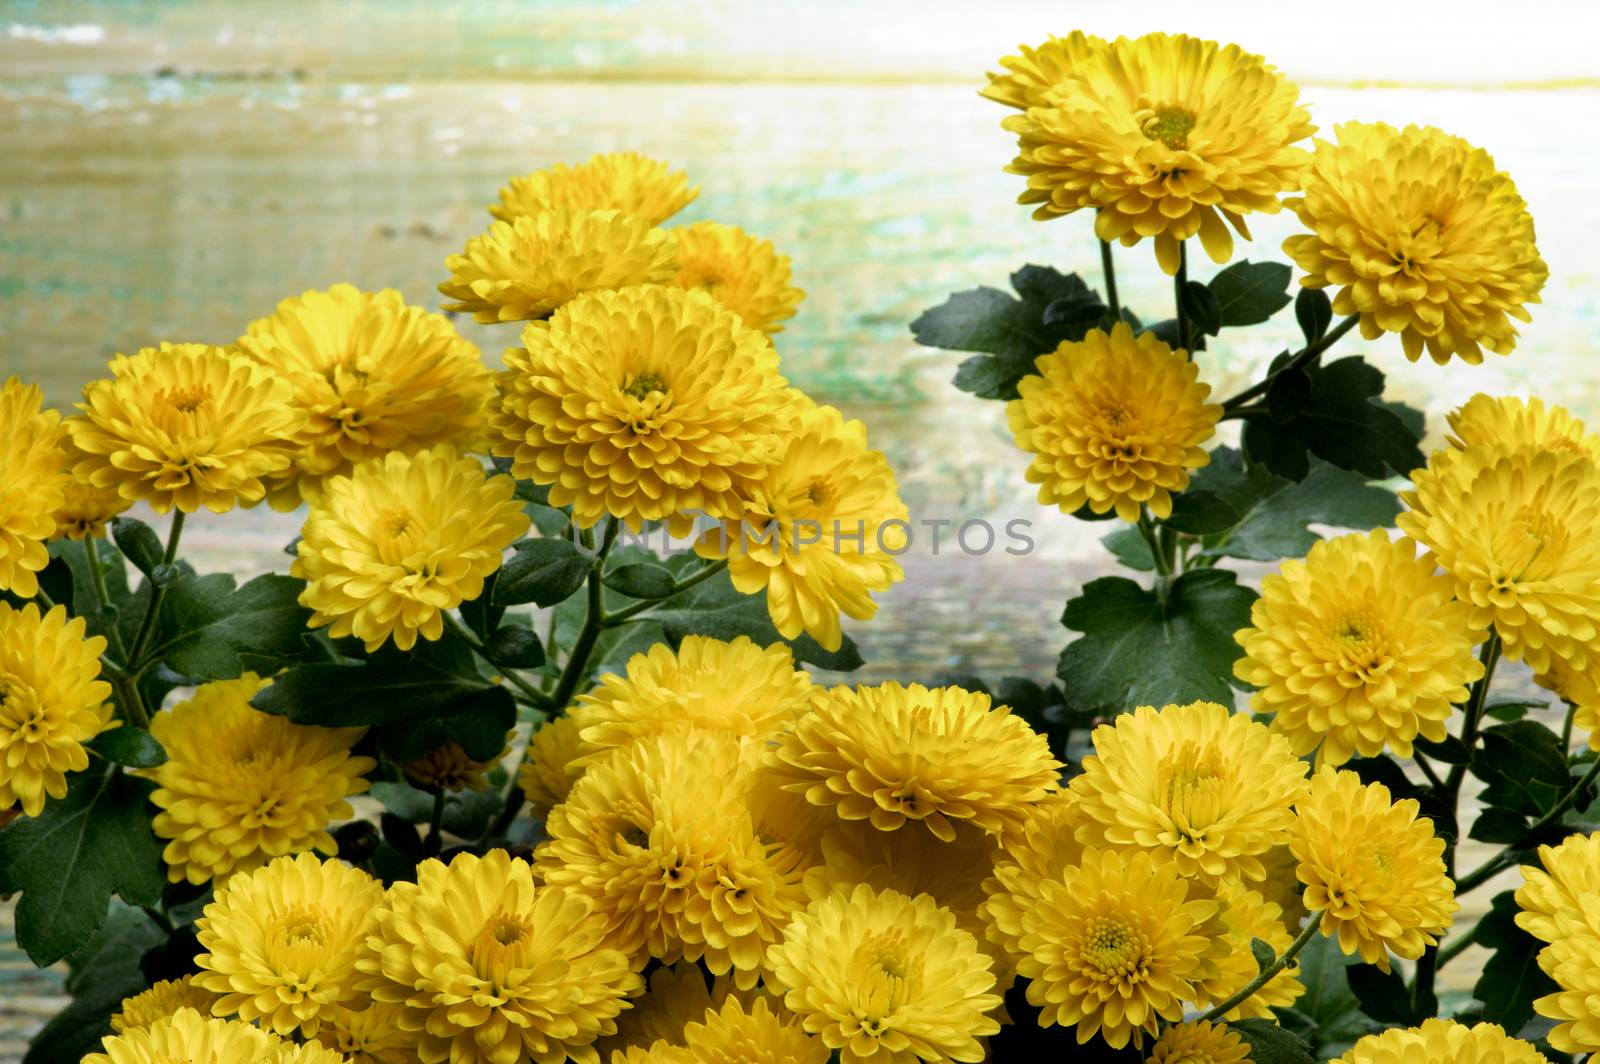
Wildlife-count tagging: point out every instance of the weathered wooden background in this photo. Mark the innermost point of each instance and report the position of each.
(169, 170)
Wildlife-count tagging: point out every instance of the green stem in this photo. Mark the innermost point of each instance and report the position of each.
(1427, 769)
(44, 599)
(627, 613)
(1266, 974)
(1566, 727)
(97, 585)
(1310, 353)
(1157, 553)
(435, 840)
(1179, 281)
(1504, 859)
(516, 679)
(1110, 272)
(1454, 948)
(147, 626)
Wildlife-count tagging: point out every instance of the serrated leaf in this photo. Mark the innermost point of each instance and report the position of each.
(391, 687)
(138, 543)
(1249, 293)
(1274, 513)
(715, 608)
(1314, 312)
(74, 855)
(1203, 309)
(1141, 647)
(129, 746)
(404, 801)
(1328, 1001)
(543, 572)
(1524, 766)
(1272, 1044)
(1130, 549)
(211, 631)
(1343, 422)
(1500, 826)
(1199, 512)
(1288, 395)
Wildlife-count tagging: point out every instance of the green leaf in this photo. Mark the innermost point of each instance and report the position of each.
(138, 543)
(78, 591)
(468, 813)
(1382, 994)
(1328, 1001)
(1010, 332)
(477, 722)
(542, 571)
(1202, 308)
(1510, 709)
(391, 687)
(1511, 979)
(1263, 953)
(514, 647)
(74, 855)
(1524, 766)
(1274, 512)
(1271, 1044)
(104, 971)
(715, 608)
(481, 615)
(404, 801)
(211, 631)
(1314, 312)
(1288, 395)
(1449, 750)
(1249, 293)
(643, 580)
(1144, 647)
(1130, 548)
(129, 746)
(1500, 826)
(1199, 512)
(1342, 422)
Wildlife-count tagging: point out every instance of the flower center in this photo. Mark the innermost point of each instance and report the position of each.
(188, 400)
(503, 943)
(1170, 125)
(888, 977)
(21, 713)
(1529, 546)
(1112, 948)
(1193, 785)
(644, 385)
(297, 944)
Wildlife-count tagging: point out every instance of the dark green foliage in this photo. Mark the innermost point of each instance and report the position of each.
(1340, 419)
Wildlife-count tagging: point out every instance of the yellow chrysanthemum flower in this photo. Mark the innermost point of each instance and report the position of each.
(386, 551)
(742, 272)
(1043, 848)
(819, 533)
(240, 787)
(1281, 886)
(1507, 421)
(186, 1035)
(33, 480)
(759, 1034)
(491, 969)
(1580, 689)
(1244, 915)
(1573, 962)
(1442, 1042)
(1114, 422)
(52, 702)
(186, 426)
(86, 511)
(739, 688)
(625, 181)
(372, 375)
(1359, 647)
(661, 839)
(448, 768)
(1553, 897)
(371, 1035)
(1035, 73)
(1373, 871)
(1514, 528)
(1113, 945)
(886, 978)
(1210, 789)
(550, 766)
(282, 941)
(523, 269)
(1422, 236)
(160, 1001)
(1199, 1043)
(892, 754)
(310, 1053)
(677, 996)
(1165, 135)
(643, 404)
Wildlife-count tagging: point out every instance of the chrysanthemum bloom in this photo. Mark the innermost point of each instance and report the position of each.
(283, 941)
(371, 1035)
(1554, 896)
(1573, 962)
(52, 701)
(86, 511)
(186, 426)
(742, 272)
(887, 978)
(1199, 1043)
(1033, 74)
(310, 1053)
(1422, 236)
(186, 1035)
(1165, 135)
(1281, 886)
(820, 531)
(523, 269)
(1211, 789)
(661, 839)
(1373, 871)
(1359, 647)
(643, 404)
(892, 754)
(1113, 422)
(33, 478)
(1511, 422)
(1043, 848)
(677, 996)
(708, 685)
(1514, 528)
(758, 1034)
(490, 968)
(448, 768)
(160, 1001)
(550, 765)
(386, 551)
(1442, 1042)
(1112, 946)
(372, 375)
(1579, 689)
(240, 787)
(625, 181)
(1243, 915)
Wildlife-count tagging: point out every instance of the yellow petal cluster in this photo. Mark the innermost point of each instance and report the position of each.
(1199, 1042)
(372, 375)
(550, 766)
(161, 1000)
(758, 1034)
(187, 1035)
(626, 181)
(819, 533)
(1516, 423)
(742, 272)
(1422, 236)
(86, 511)
(1442, 1042)
(240, 787)
(1114, 422)
(369, 1035)
(52, 702)
(386, 551)
(1165, 136)
(1373, 871)
(33, 483)
(1360, 647)
(1558, 900)
(1210, 789)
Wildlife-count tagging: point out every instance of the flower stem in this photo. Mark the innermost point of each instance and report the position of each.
(157, 593)
(1180, 280)
(1110, 273)
(1310, 353)
(435, 840)
(1266, 974)
(627, 613)
(97, 585)
(1158, 552)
